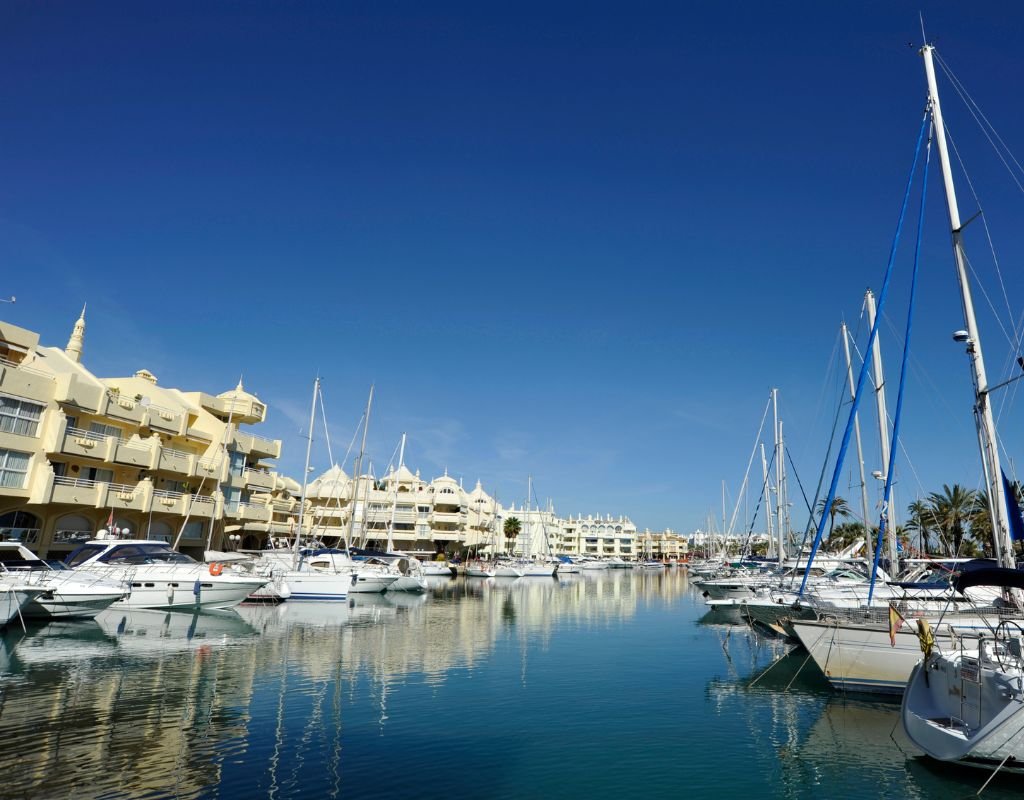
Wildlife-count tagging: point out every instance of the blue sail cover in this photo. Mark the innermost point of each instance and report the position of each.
(1016, 519)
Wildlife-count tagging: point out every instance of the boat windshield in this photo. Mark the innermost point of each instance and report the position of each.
(83, 554)
(156, 553)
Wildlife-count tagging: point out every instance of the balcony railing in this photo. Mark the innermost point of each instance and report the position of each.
(92, 436)
(31, 370)
(23, 535)
(71, 537)
(83, 483)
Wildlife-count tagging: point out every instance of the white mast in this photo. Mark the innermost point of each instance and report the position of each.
(305, 475)
(883, 432)
(982, 408)
(768, 504)
(779, 528)
(394, 495)
(865, 505)
(358, 469)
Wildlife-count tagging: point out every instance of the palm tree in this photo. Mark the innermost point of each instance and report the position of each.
(921, 520)
(839, 508)
(512, 528)
(980, 519)
(952, 510)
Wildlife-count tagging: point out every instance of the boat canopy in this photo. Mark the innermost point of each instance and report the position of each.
(991, 576)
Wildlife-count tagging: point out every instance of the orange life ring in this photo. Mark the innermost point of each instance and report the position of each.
(216, 569)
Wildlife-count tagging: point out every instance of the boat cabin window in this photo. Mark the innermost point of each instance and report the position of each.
(12, 559)
(83, 554)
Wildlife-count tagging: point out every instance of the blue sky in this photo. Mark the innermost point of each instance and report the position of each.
(575, 240)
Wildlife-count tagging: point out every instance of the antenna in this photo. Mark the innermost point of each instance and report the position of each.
(924, 38)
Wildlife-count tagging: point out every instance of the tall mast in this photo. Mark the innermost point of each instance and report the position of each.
(777, 432)
(394, 495)
(865, 505)
(358, 469)
(305, 473)
(768, 505)
(982, 408)
(883, 431)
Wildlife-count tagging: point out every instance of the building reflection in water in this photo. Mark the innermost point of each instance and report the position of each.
(246, 703)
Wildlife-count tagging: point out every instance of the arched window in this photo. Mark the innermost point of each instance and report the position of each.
(160, 530)
(19, 526)
(73, 529)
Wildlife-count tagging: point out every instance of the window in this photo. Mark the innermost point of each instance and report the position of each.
(13, 469)
(19, 416)
(99, 474)
(105, 430)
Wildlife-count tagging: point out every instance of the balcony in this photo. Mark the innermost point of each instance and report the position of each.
(23, 381)
(446, 536)
(75, 491)
(177, 461)
(200, 505)
(441, 516)
(166, 502)
(141, 454)
(258, 478)
(212, 468)
(165, 420)
(122, 407)
(257, 445)
(128, 497)
(80, 442)
(247, 512)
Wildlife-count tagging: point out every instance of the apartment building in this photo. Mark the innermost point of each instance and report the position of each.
(79, 453)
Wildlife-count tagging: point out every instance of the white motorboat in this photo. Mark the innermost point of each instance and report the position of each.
(568, 567)
(593, 564)
(14, 597)
(160, 577)
(366, 577)
(64, 592)
(651, 564)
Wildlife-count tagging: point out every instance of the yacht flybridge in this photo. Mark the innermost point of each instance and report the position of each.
(160, 577)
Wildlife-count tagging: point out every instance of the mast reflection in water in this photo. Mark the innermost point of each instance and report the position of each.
(600, 684)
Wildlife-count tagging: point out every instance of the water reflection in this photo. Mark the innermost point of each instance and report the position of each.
(250, 702)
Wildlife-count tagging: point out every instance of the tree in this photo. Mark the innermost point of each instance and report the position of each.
(844, 534)
(512, 528)
(952, 510)
(839, 508)
(922, 520)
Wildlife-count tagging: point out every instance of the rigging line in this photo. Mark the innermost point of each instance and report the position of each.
(991, 244)
(750, 461)
(970, 102)
(764, 488)
(798, 482)
(882, 296)
(323, 416)
(898, 418)
(832, 361)
(923, 375)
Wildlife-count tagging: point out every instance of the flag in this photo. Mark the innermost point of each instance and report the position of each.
(1016, 520)
(110, 522)
(896, 619)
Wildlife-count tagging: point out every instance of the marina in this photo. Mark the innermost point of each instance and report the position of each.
(503, 293)
(479, 688)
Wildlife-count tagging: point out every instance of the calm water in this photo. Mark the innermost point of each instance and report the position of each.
(607, 685)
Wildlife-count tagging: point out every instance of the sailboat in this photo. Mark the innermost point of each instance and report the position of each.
(965, 703)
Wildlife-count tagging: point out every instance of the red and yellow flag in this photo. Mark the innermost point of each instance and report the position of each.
(896, 619)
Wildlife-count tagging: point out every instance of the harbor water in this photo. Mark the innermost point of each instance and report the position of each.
(606, 684)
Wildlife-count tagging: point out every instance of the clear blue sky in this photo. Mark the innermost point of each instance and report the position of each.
(578, 240)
